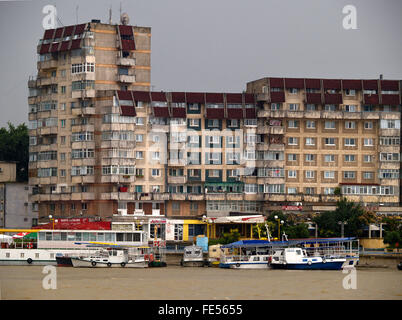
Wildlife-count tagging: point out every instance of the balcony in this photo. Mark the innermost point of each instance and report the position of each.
(161, 196)
(177, 196)
(83, 127)
(177, 180)
(125, 61)
(83, 111)
(215, 196)
(49, 64)
(83, 94)
(177, 162)
(235, 196)
(263, 97)
(195, 197)
(83, 179)
(126, 78)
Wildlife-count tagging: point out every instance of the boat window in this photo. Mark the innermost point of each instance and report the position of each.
(56, 236)
(41, 236)
(256, 259)
(52, 256)
(85, 236)
(78, 236)
(63, 236)
(298, 252)
(129, 237)
(71, 236)
(108, 237)
(119, 236)
(22, 255)
(48, 236)
(101, 236)
(265, 258)
(92, 236)
(197, 252)
(7, 254)
(188, 252)
(36, 255)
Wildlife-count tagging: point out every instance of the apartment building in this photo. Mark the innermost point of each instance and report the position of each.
(103, 145)
(82, 150)
(329, 134)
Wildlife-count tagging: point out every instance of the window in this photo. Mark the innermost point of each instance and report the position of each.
(292, 157)
(368, 125)
(63, 123)
(292, 174)
(250, 188)
(329, 125)
(275, 106)
(293, 106)
(155, 172)
(350, 125)
(293, 90)
(310, 174)
(310, 157)
(350, 92)
(368, 158)
(139, 137)
(350, 157)
(193, 122)
(329, 174)
(350, 108)
(330, 107)
(139, 154)
(292, 124)
(368, 142)
(292, 141)
(350, 142)
(390, 124)
(389, 156)
(349, 174)
(329, 158)
(310, 124)
(292, 190)
(368, 175)
(310, 141)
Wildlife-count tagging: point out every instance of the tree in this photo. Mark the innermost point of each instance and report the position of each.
(346, 211)
(14, 146)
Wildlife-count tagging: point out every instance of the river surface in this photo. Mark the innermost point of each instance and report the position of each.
(178, 283)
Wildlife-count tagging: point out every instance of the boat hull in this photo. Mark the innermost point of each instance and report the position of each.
(79, 263)
(64, 262)
(244, 265)
(195, 263)
(314, 266)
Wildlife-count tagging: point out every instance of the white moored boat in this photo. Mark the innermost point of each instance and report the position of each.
(246, 254)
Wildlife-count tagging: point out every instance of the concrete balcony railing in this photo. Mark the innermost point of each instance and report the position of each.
(177, 180)
(83, 111)
(125, 61)
(49, 64)
(195, 197)
(126, 78)
(83, 145)
(82, 128)
(177, 196)
(177, 162)
(83, 179)
(83, 94)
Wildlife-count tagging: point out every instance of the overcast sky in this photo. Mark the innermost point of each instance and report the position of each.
(217, 45)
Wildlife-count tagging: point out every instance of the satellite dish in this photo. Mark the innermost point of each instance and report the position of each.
(124, 19)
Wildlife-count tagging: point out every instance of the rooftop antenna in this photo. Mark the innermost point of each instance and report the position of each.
(110, 15)
(381, 76)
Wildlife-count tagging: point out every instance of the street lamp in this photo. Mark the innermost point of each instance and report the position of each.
(51, 219)
(342, 224)
(279, 226)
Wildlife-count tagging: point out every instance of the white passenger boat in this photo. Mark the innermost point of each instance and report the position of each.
(318, 254)
(108, 258)
(246, 254)
(66, 244)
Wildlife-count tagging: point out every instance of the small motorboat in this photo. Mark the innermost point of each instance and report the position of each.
(192, 257)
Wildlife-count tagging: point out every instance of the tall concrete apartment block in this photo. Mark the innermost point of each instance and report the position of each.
(77, 133)
(331, 133)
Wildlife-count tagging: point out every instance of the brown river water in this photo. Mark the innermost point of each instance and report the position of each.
(179, 283)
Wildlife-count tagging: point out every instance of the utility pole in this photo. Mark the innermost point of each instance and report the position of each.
(342, 223)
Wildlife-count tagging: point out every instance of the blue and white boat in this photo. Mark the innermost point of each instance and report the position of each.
(317, 254)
